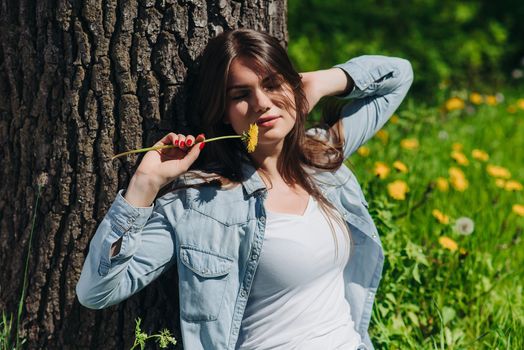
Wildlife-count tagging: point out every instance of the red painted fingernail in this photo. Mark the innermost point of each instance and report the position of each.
(189, 143)
(202, 145)
(176, 142)
(182, 143)
(201, 135)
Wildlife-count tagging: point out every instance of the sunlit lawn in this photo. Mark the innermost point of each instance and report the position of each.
(444, 287)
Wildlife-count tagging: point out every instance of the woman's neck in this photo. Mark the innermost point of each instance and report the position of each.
(266, 160)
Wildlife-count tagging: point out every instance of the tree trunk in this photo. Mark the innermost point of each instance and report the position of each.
(81, 80)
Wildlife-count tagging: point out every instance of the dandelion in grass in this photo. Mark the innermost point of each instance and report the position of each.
(458, 179)
(398, 165)
(410, 144)
(249, 137)
(448, 243)
(394, 119)
(383, 136)
(480, 155)
(442, 184)
(454, 104)
(440, 216)
(491, 100)
(476, 98)
(512, 185)
(498, 171)
(363, 151)
(464, 226)
(398, 189)
(381, 170)
(456, 172)
(457, 146)
(460, 184)
(511, 109)
(460, 158)
(518, 209)
(501, 183)
(520, 103)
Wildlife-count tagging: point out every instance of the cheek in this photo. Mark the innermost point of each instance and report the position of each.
(236, 115)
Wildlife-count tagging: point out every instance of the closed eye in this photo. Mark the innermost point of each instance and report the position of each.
(240, 95)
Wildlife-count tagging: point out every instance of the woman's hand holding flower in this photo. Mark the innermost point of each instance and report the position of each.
(160, 167)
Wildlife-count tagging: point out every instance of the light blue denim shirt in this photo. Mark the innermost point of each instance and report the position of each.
(214, 236)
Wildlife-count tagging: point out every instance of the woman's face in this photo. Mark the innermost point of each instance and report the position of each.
(265, 100)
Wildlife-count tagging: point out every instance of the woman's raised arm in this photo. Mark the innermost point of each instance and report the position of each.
(378, 84)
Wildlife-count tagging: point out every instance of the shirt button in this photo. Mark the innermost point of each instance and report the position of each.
(205, 271)
(374, 235)
(263, 219)
(254, 256)
(243, 293)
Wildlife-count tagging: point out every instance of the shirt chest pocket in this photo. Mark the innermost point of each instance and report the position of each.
(203, 276)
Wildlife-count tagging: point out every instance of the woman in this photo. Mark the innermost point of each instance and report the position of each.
(274, 249)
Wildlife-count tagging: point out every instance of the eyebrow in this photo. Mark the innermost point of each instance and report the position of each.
(265, 80)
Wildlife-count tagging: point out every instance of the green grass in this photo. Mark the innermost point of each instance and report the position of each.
(431, 297)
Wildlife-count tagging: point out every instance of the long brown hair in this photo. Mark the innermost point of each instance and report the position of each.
(208, 105)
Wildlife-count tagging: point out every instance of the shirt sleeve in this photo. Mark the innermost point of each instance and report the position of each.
(147, 249)
(380, 85)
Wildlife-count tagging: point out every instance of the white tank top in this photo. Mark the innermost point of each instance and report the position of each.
(297, 297)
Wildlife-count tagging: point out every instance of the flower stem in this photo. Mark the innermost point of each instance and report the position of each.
(154, 148)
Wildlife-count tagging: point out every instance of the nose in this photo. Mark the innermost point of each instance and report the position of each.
(261, 101)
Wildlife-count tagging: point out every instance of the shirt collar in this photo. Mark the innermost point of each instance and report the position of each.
(252, 181)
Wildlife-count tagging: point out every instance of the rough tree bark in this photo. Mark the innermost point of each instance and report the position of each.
(81, 80)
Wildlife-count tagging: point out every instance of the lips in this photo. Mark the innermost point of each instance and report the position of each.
(265, 120)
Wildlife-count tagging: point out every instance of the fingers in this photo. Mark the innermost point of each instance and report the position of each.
(181, 141)
(169, 139)
(194, 152)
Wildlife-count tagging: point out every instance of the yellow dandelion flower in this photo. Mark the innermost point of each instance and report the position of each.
(409, 144)
(458, 179)
(500, 183)
(498, 171)
(520, 103)
(381, 170)
(394, 119)
(398, 189)
(460, 158)
(363, 151)
(250, 138)
(460, 184)
(491, 100)
(440, 216)
(511, 109)
(442, 184)
(479, 155)
(400, 166)
(457, 146)
(513, 185)
(454, 103)
(456, 172)
(448, 243)
(518, 209)
(383, 135)
(476, 98)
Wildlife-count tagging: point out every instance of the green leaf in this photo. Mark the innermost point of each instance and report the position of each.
(448, 314)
